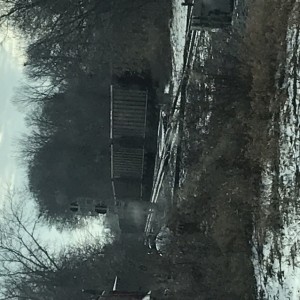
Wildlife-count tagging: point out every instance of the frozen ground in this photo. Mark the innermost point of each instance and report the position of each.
(276, 254)
(164, 177)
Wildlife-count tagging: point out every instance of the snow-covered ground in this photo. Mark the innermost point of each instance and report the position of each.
(178, 40)
(276, 256)
(277, 262)
(168, 125)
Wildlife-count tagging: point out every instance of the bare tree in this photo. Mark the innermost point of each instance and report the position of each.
(25, 261)
(32, 269)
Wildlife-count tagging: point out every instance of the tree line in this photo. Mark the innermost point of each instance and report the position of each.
(73, 49)
(33, 269)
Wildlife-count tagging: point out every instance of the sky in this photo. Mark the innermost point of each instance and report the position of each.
(11, 120)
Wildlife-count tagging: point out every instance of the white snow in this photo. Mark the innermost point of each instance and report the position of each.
(277, 264)
(168, 137)
(178, 39)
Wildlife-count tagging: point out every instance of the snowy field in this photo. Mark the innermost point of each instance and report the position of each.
(277, 261)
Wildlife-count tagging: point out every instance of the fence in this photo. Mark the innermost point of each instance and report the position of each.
(128, 115)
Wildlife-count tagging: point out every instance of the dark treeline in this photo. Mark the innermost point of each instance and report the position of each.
(67, 151)
(74, 50)
(33, 269)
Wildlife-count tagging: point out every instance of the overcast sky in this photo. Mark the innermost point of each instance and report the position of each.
(11, 120)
